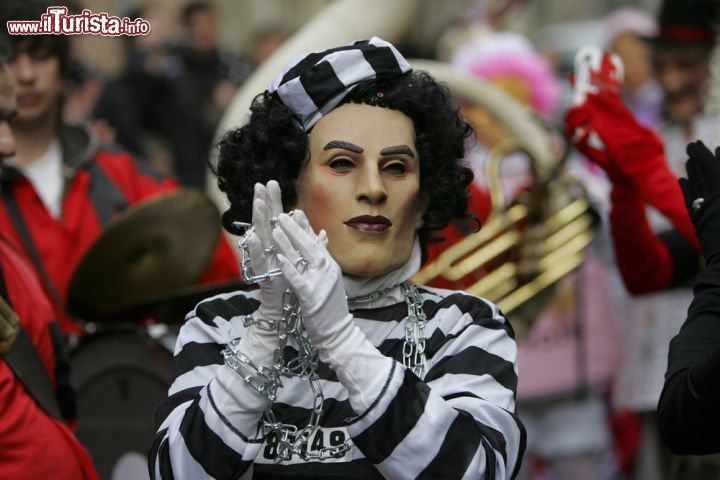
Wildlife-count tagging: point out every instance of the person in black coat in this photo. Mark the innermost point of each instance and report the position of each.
(689, 417)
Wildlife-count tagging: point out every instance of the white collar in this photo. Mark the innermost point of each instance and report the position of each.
(389, 282)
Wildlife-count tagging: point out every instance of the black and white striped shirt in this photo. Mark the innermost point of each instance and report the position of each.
(458, 421)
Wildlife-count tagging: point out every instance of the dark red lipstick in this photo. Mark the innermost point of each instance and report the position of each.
(369, 223)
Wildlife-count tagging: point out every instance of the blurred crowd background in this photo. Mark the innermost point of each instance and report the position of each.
(199, 53)
(592, 367)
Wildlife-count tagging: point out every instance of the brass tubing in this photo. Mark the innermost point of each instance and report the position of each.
(490, 281)
(470, 243)
(542, 281)
(575, 245)
(567, 232)
(570, 211)
(499, 290)
(481, 256)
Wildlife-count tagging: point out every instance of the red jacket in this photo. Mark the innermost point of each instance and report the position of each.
(100, 183)
(32, 443)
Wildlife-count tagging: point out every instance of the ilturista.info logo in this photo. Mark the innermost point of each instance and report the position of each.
(57, 21)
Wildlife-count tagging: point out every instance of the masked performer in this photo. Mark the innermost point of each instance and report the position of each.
(387, 379)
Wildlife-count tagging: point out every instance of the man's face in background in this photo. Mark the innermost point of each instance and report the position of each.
(684, 74)
(36, 76)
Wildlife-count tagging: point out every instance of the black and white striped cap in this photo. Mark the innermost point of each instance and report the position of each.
(312, 84)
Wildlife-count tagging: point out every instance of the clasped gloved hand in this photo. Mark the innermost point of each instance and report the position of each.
(702, 196)
(632, 155)
(260, 343)
(316, 279)
(267, 205)
(239, 401)
(629, 150)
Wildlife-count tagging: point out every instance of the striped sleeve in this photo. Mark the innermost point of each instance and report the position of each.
(201, 431)
(458, 421)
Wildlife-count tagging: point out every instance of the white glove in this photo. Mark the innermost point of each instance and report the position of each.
(260, 344)
(267, 203)
(317, 281)
(315, 277)
(236, 399)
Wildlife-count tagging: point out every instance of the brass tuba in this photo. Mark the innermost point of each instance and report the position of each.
(524, 247)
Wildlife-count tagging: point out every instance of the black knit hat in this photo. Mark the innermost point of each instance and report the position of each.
(687, 22)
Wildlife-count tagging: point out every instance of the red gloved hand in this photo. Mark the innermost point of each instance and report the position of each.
(633, 154)
(629, 150)
(580, 130)
(595, 71)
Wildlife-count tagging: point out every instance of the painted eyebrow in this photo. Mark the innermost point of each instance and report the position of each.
(398, 149)
(344, 145)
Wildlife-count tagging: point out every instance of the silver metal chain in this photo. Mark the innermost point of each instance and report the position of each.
(248, 273)
(266, 381)
(290, 440)
(370, 297)
(414, 346)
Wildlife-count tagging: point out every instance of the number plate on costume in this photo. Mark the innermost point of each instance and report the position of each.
(322, 438)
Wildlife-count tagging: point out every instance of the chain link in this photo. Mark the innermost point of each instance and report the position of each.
(414, 346)
(263, 380)
(248, 273)
(266, 381)
(291, 440)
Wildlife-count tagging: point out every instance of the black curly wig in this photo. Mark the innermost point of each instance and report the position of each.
(273, 145)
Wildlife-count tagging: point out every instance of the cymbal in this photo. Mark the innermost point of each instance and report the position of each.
(152, 247)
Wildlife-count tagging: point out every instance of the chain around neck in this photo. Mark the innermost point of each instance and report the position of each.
(371, 297)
